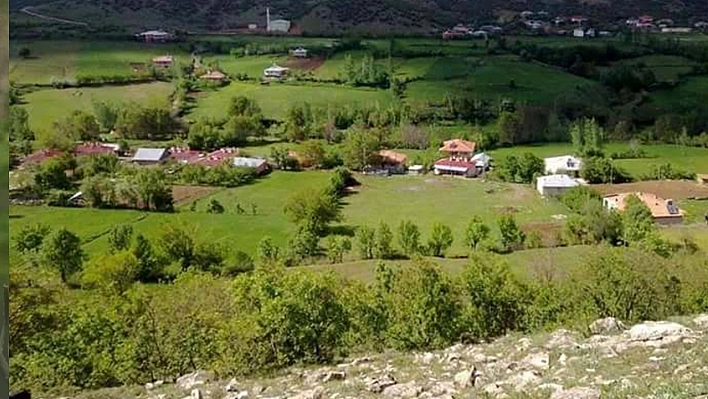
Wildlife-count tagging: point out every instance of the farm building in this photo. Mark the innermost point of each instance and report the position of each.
(276, 72)
(184, 155)
(155, 36)
(299, 52)
(676, 30)
(555, 185)
(87, 149)
(482, 161)
(217, 157)
(259, 164)
(150, 156)
(459, 159)
(276, 25)
(164, 61)
(214, 76)
(416, 169)
(566, 164)
(394, 162)
(664, 211)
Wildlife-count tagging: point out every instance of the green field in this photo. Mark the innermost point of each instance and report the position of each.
(275, 99)
(666, 68)
(687, 158)
(66, 60)
(47, 106)
(691, 94)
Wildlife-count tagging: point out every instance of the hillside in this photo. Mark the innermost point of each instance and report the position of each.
(330, 16)
(648, 360)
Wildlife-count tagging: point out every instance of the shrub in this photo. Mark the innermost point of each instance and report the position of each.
(511, 235)
(440, 240)
(577, 197)
(409, 237)
(30, 238)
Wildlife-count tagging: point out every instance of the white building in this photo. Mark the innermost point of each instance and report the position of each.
(482, 161)
(259, 164)
(555, 185)
(299, 52)
(155, 36)
(276, 72)
(150, 156)
(566, 164)
(279, 26)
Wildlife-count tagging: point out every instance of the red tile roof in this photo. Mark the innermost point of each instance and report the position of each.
(40, 156)
(217, 157)
(458, 145)
(455, 164)
(93, 149)
(184, 155)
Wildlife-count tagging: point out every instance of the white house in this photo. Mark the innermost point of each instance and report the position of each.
(299, 52)
(150, 156)
(154, 36)
(566, 164)
(279, 25)
(482, 161)
(555, 185)
(259, 164)
(275, 72)
(579, 32)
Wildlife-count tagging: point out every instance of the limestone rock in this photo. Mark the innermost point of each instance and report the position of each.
(658, 330)
(196, 394)
(407, 390)
(315, 393)
(377, 385)
(607, 326)
(561, 339)
(466, 378)
(232, 386)
(427, 358)
(701, 321)
(577, 393)
(523, 380)
(191, 380)
(334, 376)
(538, 361)
(152, 385)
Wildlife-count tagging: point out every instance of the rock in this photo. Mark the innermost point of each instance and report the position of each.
(561, 339)
(427, 358)
(466, 378)
(553, 388)
(189, 381)
(562, 359)
(442, 389)
(577, 393)
(494, 390)
(196, 394)
(315, 393)
(607, 326)
(334, 376)
(523, 344)
(360, 360)
(152, 385)
(407, 390)
(232, 386)
(377, 385)
(701, 321)
(523, 380)
(658, 331)
(538, 361)
(240, 395)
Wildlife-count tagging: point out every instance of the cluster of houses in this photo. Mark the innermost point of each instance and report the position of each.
(665, 25)
(461, 31)
(157, 156)
(561, 176)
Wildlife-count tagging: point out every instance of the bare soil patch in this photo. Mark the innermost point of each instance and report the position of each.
(304, 64)
(674, 189)
(186, 194)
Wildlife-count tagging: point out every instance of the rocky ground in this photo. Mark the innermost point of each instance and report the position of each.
(666, 359)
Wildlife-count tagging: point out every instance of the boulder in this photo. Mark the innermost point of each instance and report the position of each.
(232, 386)
(427, 358)
(494, 390)
(520, 382)
(315, 393)
(196, 394)
(152, 385)
(538, 361)
(466, 378)
(607, 326)
(191, 380)
(442, 389)
(561, 339)
(701, 321)
(577, 393)
(407, 390)
(377, 385)
(334, 376)
(658, 330)
(553, 388)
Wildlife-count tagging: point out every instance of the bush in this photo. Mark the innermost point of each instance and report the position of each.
(577, 197)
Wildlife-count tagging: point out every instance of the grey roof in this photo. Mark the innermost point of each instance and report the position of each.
(249, 162)
(150, 154)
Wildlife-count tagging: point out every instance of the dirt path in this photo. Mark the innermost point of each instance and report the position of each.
(28, 11)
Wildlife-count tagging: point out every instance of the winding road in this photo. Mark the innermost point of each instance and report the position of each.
(28, 11)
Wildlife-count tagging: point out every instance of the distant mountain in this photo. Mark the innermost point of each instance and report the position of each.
(335, 16)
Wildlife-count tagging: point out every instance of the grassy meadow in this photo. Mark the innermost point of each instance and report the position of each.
(47, 106)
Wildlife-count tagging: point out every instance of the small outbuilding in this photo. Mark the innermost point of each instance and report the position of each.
(155, 36)
(259, 164)
(299, 52)
(150, 156)
(555, 185)
(164, 61)
(214, 76)
(275, 71)
(394, 162)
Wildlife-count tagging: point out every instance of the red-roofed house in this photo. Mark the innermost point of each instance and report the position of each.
(459, 159)
(217, 157)
(164, 61)
(185, 155)
(40, 156)
(88, 149)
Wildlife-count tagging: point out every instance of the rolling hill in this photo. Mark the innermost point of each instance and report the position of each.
(330, 16)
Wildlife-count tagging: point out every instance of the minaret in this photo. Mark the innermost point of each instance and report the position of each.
(267, 19)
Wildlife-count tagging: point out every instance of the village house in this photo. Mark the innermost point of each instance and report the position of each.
(394, 162)
(299, 52)
(566, 164)
(279, 26)
(664, 211)
(459, 159)
(416, 169)
(214, 76)
(276, 72)
(678, 30)
(155, 36)
(164, 61)
(259, 164)
(92, 148)
(185, 155)
(217, 157)
(554, 186)
(150, 156)
(482, 161)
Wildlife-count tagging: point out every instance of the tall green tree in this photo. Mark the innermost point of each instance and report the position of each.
(440, 239)
(409, 237)
(384, 242)
(511, 235)
(313, 209)
(637, 220)
(476, 233)
(62, 251)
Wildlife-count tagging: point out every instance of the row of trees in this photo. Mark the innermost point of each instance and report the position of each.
(272, 318)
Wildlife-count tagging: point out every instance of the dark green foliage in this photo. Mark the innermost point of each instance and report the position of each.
(149, 267)
(512, 237)
(440, 240)
(302, 245)
(577, 197)
(178, 245)
(62, 251)
(312, 209)
(153, 190)
(52, 174)
(29, 239)
(244, 106)
(593, 224)
(361, 149)
(120, 238)
(268, 253)
(521, 169)
(597, 170)
(281, 159)
(18, 122)
(225, 175)
(668, 172)
(242, 263)
(637, 220)
(145, 123)
(78, 126)
(215, 206)
(336, 248)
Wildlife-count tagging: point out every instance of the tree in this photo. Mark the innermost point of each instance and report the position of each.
(29, 239)
(52, 174)
(209, 257)
(78, 126)
(521, 169)
(313, 209)
(238, 128)
(577, 197)
(244, 106)
(215, 207)
(267, 251)
(62, 251)
(440, 240)
(361, 149)
(280, 156)
(139, 123)
(637, 220)
(114, 273)
(18, 123)
(106, 115)
(336, 248)
(476, 233)
(366, 242)
(205, 135)
(597, 170)
(120, 237)
(312, 154)
(303, 244)
(587, 137)
(409, 237)
(149, 269)
(242, 263)
(178, 246)
(384, 242)
(297, 122)
(153, 190)
(509, 128)
(24, 52)
(511, 236)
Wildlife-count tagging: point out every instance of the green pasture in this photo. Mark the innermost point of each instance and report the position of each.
(687, 158)
(666, 68)
(66, 60)
(496, 79)
(275, 99)
(47, 106)
(252, 66)
(691, 94)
